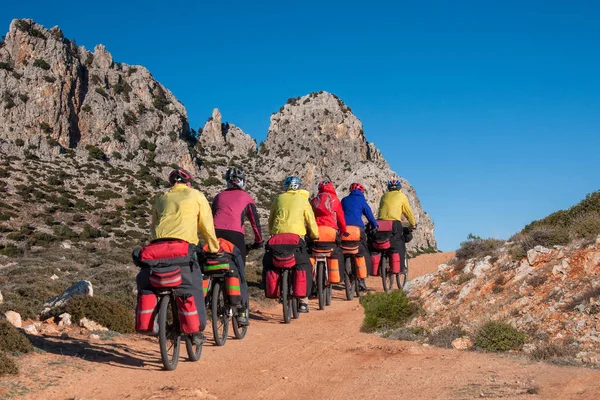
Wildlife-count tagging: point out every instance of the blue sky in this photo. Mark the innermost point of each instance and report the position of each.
(491, 109)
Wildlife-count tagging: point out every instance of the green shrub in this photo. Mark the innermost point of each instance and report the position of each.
(7, 365)
(116, 155)
(211, 181)
(476, 246)
(499, 336)
(95, 153)
(587, 226)
(101, 92)
(49, 79)
(444, 337)
(23, 98)
(12, 340)
(20, 142)
(41, 64)
(550, 351)
(10, 250)
(5, 66)
(129, 118)
(103, 310)
(386, 310)
(87, 108)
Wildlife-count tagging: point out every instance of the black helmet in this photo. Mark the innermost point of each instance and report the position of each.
(235, 177)
(180, 175)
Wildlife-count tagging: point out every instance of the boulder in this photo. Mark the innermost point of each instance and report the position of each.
(14, 318)
(81, 288)
(463, 343)
(64, 319)
(31, 329)
(91, 325)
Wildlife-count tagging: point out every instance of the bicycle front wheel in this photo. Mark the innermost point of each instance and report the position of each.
(321, 284)
(169, 338)
(348, 279)
(286, 299)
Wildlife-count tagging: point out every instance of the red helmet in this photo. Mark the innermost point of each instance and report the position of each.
(357, 186)
(180, 175)
(323, 183)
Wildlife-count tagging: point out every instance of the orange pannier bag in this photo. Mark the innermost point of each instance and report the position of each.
(354, 232)
(327, 234)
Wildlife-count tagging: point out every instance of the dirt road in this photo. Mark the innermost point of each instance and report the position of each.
(321, 355)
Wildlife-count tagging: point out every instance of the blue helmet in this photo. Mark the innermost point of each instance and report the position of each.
(394, 184)
(292, 183)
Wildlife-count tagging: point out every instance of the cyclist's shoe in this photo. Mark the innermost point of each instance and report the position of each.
(303, 308)
(362, 285)
(198, 339)
(242, 318)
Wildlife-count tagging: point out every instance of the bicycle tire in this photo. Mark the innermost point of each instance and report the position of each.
(386, 276)
(321, 284)
(402, 277)
(285, 297)
(348, 280)
(328, 297)
(194, 351)
(168, 332)
(240, 331)
(294, 306)
(219, 314)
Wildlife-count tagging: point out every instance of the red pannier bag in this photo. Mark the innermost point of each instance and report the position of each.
(282, 248)
(385, 225)
(272, 284)
(395, 263)
(233, 289)
(145, 313)
(381, 244)
(375, 260)
(165, 253)
(299, 285)
(189, 321)
(167, 277)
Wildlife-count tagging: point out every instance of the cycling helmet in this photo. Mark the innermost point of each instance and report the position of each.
(394, 184)
(235, 177)
(292, 183)
(180, 175)
(357, 186)
(323, 184)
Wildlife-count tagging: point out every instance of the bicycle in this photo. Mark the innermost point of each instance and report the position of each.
(169, 331)
(351, 280)
(217, 301)
(322, 277)
(382, 245)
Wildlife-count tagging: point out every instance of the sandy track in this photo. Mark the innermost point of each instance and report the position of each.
(321, 355)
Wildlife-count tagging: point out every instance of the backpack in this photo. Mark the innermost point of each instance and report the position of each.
(322, 204)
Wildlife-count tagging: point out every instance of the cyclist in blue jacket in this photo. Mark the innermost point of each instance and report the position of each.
(355, 207)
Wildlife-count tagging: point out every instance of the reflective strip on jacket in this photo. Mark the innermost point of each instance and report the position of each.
(291, 212)
(393, 205)
(180, 214)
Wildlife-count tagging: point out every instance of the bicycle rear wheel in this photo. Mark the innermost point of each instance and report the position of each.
(220, 319)
(169, 338)
(321, 284)
(386, 276)
(349, 279)
(328, 297)
(285, 296)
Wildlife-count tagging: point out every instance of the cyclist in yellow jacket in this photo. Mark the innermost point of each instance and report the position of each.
(392, 207)
(179, 214)
(291, 212)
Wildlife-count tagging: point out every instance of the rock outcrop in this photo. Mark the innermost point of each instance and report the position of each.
(57, 96)
(317, 136)
(551, 294)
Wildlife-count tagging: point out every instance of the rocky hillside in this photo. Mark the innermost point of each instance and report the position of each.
(96, 137)
(550, 294)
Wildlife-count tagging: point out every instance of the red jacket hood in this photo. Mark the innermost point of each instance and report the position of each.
(328, 188)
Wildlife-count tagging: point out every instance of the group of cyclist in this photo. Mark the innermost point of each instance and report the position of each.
(182, 212)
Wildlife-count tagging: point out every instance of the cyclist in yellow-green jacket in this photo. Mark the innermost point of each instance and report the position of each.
(291, 212)
(392, 207)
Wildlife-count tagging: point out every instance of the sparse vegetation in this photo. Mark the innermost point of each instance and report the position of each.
(103, 310)
(101, 92)
(388, 310)
(13, 341)
(445, 336)
(40, 63)
(499, 336)
(95, 153)
(8, 366)
(476, 246)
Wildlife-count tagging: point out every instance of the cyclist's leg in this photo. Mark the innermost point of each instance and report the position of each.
(303, 264)
(237, 238)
